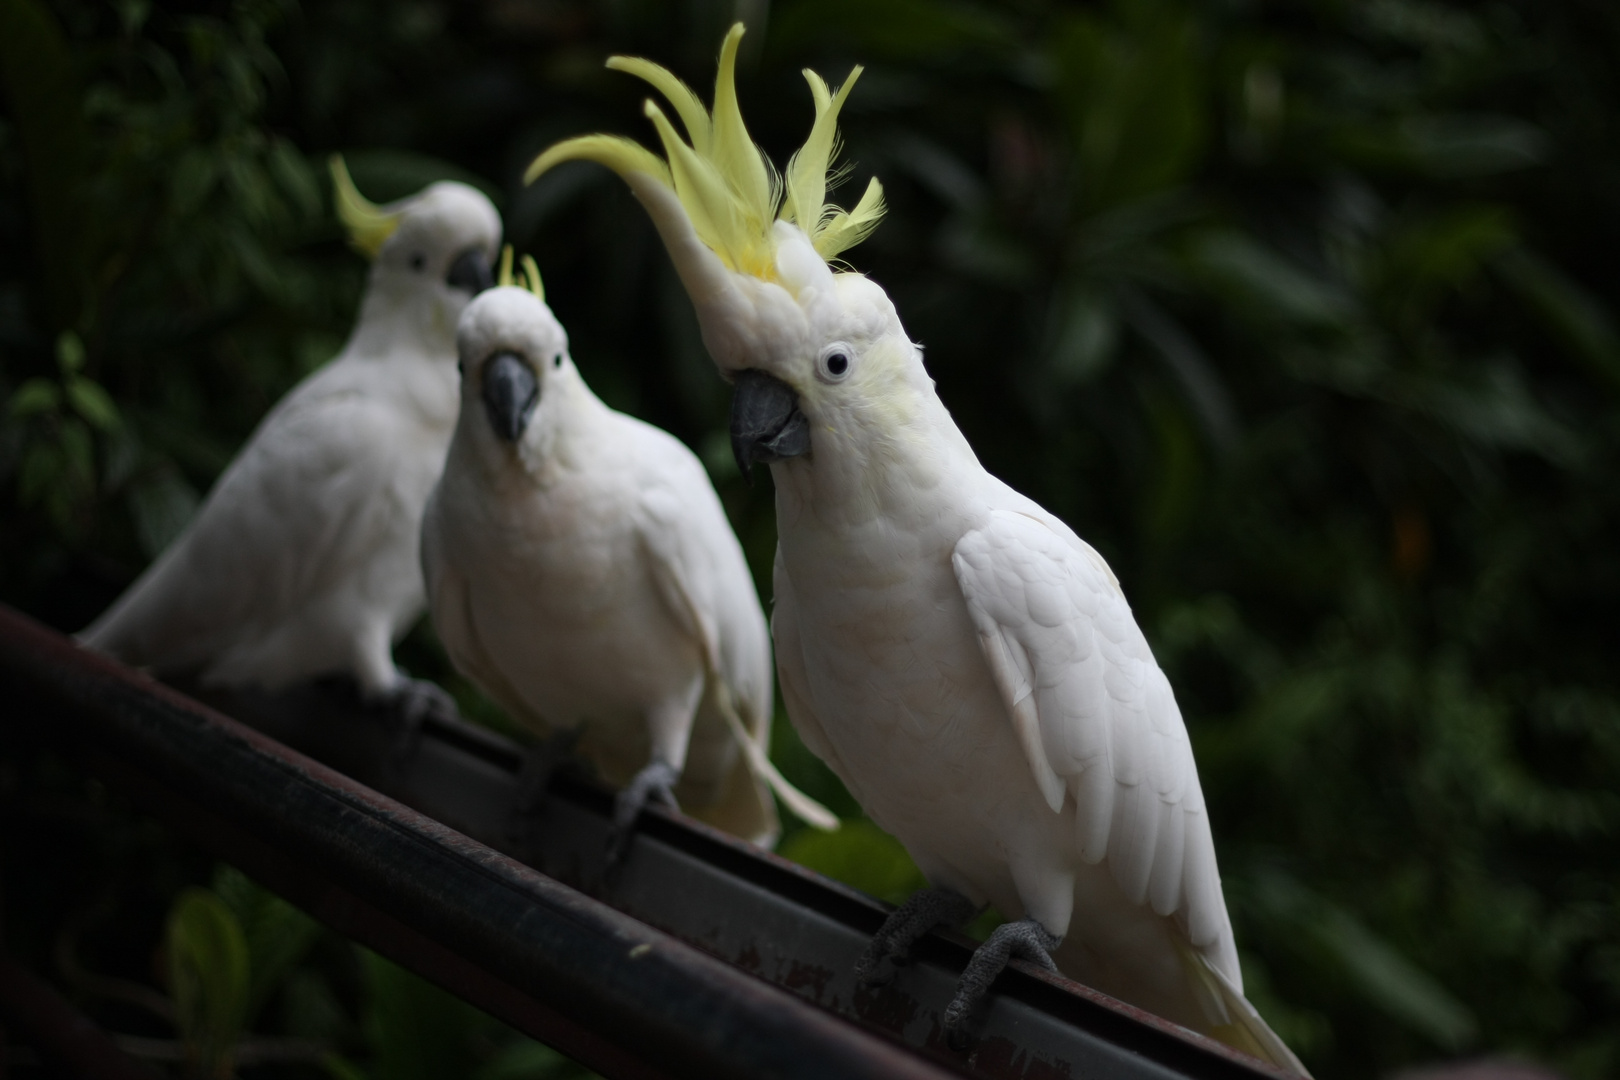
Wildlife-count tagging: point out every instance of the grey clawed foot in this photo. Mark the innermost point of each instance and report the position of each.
(540, 763)
(656, 782)
(412, 703)
(906, 924)
(1025, 939)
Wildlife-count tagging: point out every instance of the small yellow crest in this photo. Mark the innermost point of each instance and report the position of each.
(531, 274)
(369, 225)
(727, 186)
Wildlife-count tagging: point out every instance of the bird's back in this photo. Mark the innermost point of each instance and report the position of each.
(306, 543)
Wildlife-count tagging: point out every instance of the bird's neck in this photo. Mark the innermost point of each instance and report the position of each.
(901, 461)
(402, 318)
(563, 435)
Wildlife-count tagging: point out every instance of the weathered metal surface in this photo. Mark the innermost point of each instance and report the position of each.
(406, 882)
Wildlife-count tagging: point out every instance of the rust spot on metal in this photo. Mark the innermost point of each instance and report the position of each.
(1001, 1057)
(749, 959)
(811, 976)
(885, 1007)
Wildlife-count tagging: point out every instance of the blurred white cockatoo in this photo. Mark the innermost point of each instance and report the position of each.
(303, 559)
(582, 572)
(960, 658)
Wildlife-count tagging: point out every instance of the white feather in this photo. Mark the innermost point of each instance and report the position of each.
(303, 559)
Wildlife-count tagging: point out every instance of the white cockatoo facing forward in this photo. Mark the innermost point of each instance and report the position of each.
(303, 559)
(960, 658)
(581, 571)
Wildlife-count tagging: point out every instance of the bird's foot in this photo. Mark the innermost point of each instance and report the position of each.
(1025, 939)
(410, 704)
(926, 909)
(540, 763)
(655, 782)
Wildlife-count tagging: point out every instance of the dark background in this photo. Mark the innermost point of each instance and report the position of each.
(1300, 312)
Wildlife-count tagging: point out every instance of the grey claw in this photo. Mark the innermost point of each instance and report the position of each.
(540, 763)
(907, 923)
(413, 702)
(655, 782)
(1025, 939)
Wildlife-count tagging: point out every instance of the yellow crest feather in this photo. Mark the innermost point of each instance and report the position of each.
(531, 274)
(728, 187)
(369, 225)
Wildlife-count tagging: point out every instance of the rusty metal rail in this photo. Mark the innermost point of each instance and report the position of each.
(702, 956)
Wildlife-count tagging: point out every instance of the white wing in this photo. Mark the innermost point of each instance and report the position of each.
(1096, 717)
(450, 603)
(298, 515)
(703, 577)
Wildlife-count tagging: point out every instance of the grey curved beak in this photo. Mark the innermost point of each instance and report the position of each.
(766, 424)
(471, 271)
(510, 393)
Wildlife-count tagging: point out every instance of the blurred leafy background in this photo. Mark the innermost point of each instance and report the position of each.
(1301, 311)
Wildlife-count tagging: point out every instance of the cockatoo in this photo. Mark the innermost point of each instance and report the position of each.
(965, 663)
(303, 559)
(582, 572)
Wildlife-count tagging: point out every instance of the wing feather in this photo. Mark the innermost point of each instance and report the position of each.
(302, 509)
(1095, 716)
(703, 577)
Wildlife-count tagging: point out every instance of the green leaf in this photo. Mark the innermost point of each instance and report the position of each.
(39, 76)
(1265, 285)
(207, 959)
(90, 401)
(296, 178)
(1084, 335)
(1396, 985)
(341, 1068)
(416, 1030)
(34, 397)
(862, 856)
(192, 180)
(526, 1059)
(278, 935)
(69, 352)
(385, 175)
(1133, 89)
(1574, 315)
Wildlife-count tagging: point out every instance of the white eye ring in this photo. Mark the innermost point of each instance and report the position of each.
(835, 362)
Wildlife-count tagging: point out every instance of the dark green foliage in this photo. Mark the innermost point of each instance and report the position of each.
(1302, 312)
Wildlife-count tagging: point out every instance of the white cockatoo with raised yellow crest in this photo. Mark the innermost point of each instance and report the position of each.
(303, 559)
(582, 572)
(961, 659)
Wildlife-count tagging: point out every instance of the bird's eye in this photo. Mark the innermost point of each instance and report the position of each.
(461, 367)
(556, 361)
(835, 362)
(417, 262)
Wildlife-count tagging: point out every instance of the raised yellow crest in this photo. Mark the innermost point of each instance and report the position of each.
(725, 183)
(369, 225)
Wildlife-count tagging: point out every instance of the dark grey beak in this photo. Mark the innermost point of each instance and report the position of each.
(511, 392)
(766, 424)
(471, 271)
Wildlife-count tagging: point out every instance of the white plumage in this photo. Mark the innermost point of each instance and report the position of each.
(960, 658)
(303, 560)
(970, 668)
(581, 570)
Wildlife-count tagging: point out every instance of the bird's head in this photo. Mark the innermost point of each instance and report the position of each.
(436, 247)
(511, 353)
(809, 348)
